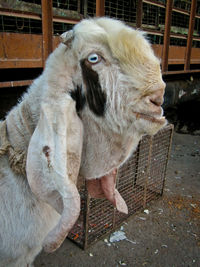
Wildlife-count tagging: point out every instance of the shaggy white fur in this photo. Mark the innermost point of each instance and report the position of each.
(100, 92)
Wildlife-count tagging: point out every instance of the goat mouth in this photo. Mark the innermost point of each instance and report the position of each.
(154, 119)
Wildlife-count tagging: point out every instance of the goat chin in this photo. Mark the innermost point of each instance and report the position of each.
(75, 120)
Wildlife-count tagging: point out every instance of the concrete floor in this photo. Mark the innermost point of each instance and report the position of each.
(169, 236)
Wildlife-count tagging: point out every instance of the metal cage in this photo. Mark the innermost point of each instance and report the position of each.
(140, 180)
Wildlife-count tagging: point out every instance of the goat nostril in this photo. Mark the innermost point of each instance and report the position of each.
(156, 102)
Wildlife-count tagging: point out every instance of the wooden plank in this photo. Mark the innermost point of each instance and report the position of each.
(167, 35)
(100, 8)
(47, 29)
(190, 35)
(195, 56)
(15, 83)
(177, 54)
(20, 50)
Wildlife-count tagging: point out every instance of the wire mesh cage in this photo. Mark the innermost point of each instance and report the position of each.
(20, 25)
(140, 180)
(182, 4)
(123, 10)
(153, 16)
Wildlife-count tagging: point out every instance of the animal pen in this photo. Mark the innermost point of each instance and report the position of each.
(29, 31)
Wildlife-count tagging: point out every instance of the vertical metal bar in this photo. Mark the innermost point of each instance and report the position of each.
(100, 8)
(168, 15)
(79, 6)
(168, 156)
(136, 164)
(86, 213)
(190, 34)
(85, 8)
(47, 29)
(148, 171)
(139, 14)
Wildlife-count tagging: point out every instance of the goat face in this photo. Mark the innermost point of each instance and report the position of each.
(120, 100)
(121, 76)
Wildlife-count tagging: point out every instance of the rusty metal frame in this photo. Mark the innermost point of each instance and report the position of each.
(168, 16)
(100, 8)
(139, 14)
(100, 11)
(47, 29)
(168, 158)
(190, 35)
(147, 174)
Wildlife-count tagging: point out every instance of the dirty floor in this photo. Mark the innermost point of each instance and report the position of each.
(167, 234)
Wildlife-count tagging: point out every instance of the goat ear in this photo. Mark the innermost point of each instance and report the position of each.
(53, 162)
(67, 37)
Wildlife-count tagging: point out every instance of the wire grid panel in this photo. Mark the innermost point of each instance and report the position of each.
(139, 180)
(123, 10)
(198, 7)
(67, 4)
(31, 1)
(20, 25)
(77, 234)
(59, 28)
(153, 16)
(183, 4)
(180, 22)
(178, 41)
(159, 154)
(90, 8)
(180, 25)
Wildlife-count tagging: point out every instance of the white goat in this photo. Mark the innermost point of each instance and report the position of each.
(106, 73)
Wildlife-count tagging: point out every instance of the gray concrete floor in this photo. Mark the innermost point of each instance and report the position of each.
(169, 236)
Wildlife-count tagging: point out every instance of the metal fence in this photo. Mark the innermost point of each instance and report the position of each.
(150, 15)
(153, 17)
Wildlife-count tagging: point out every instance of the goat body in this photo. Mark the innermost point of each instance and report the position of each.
(100, 92)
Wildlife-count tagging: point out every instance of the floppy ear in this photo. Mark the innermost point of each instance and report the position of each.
(53, 162)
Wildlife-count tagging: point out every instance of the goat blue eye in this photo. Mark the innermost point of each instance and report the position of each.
(93, 58)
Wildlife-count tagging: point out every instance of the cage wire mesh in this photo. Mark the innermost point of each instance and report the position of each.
(198, 7)
(20, 25)
(180, 23)
(140, 180)
(183, 4)
(91, 8)
(153, 16)
(154, 19)
(196, 43)
(59, 28)
(31, 1)
(73, 5)
(123, 10)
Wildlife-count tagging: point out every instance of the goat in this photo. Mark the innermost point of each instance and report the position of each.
(100, 92)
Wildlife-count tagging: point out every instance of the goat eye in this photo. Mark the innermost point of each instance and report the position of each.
(94, 58)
